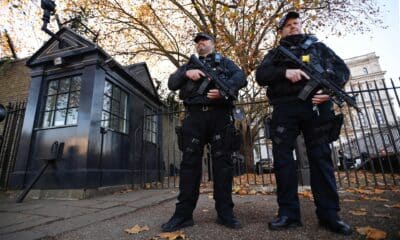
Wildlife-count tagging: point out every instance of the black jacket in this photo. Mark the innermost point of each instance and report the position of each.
(271, 72)
(234, 76)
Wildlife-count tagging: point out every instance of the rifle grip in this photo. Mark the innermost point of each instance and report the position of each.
(203, 86)
(309, 88)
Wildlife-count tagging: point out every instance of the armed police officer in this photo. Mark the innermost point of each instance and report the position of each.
(313, 117)
(208, 120)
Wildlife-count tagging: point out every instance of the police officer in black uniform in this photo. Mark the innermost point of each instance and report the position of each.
(208, 120)
(292, 116)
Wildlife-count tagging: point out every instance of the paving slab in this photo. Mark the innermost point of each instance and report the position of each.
(34, 221)
(61, 211)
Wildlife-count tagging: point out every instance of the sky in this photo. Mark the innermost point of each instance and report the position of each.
(384, 42)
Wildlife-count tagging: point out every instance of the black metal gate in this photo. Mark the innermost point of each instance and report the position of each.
(10, 132)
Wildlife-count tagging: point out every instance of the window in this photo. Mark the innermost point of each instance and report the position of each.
(365, 70)
(114, 108)
(372, 90)
(62, 102)
(379, 117)
(362, 119)
(150, 132)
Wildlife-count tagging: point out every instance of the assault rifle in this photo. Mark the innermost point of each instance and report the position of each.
(319, 79)
(211, 76)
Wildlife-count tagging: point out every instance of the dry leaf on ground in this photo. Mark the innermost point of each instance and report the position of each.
(172, 235)
(306, 194)
(397, 205)
(252, 192)
(137, 229)
(359, 212)
(348, 200)
(363, 197)
(372, 233)
(382, 215)
(242, 192)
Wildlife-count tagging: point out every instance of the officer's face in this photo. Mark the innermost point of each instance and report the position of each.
(204, 47)
(292, 27)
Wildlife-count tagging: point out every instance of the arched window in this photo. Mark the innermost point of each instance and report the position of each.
(365, 70)
(379, 116)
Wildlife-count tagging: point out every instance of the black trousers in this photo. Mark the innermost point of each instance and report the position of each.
(201, 127)
(288, 119)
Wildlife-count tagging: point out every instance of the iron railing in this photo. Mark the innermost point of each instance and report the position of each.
(10, 132)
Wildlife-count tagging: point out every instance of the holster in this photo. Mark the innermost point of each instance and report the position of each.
(179, 134)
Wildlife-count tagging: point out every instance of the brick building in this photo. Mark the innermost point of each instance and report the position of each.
(14, 80)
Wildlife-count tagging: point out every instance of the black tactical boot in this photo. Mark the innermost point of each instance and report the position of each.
(176, 223)
(230, 222)
(336, 226)
(283, 222)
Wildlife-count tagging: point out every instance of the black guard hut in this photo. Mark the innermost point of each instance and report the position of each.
(101, 111)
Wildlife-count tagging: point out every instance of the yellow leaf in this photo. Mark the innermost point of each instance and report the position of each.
(137, 229)
(376, 234)
(372, 233)
(236, 189)
(172, 235)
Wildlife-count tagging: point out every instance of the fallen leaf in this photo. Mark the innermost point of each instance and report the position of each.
(363, 197)
(306, 194)
(235, 189)
(395, 205)
(382, 215)
(372, 233)
(172, 235)
(348, 200)
(378, 191)
(252, 192)
(242, 192)
(359, 212)
(137, 229)
(363, 230)
(376, 234)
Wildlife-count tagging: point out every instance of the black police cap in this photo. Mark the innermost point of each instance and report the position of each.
(201, 35)
(289, 15)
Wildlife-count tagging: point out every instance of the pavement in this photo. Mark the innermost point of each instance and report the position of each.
(108, 216)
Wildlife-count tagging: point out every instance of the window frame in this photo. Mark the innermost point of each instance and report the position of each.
(53, 109)
(151, 129)
(118, 95)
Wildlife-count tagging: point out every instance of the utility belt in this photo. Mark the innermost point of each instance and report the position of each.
(282, 100)
(207, 108)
